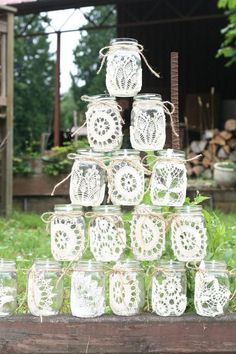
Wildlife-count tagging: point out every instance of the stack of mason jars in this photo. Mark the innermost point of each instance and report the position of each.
(122, 172)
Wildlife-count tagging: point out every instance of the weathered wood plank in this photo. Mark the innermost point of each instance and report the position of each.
(112, 334)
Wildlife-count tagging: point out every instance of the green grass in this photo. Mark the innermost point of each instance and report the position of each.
(23, 237)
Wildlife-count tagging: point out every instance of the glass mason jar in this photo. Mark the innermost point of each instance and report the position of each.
(67, 232)
(169, 178)
(104, 123)
(212, 294)
(188, 233)
(124, 71)
(88, 179)
(45, 288)
(148, 123)
(126, 178)
(8, 287)
(147, 233)
(126, 288)
(107, 233)
(87, 297)
(169, 289)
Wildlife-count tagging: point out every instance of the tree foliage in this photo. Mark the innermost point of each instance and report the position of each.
(228, 46)
(34, 81)
(86, 54)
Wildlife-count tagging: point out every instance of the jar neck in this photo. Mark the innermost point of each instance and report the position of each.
(171, 154)
(7, 265)
(89, 266)
(47, 265)
(107, 209)
(124, 42)
(189, 210)
(90, 154)
(148, 98)
(147, 209)
(128, 154)
(171, 266)
(127, 265)
(214, 266)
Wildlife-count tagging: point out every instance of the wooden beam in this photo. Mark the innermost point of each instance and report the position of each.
(57, 103)
(113, 334)
(174, 63)
(3, 101)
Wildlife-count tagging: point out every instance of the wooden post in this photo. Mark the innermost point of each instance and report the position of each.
(174, 60)
(57, 109)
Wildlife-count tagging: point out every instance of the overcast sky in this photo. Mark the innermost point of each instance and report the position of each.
(74, 19)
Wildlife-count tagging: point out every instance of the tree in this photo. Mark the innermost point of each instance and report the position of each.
(34, 81)
(228, 47)
(86, 54)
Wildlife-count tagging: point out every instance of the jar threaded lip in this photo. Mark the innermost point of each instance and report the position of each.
(147, 97)
(171, 265)
(188, 209)
(121, 40)
(46, 264)
(130, 264)
(126, 153)
(147, 208)
(107, 209)
(91, 153)
(215, 265)
(100, 97)
(7, 265)
(89, 265)
(171, 153)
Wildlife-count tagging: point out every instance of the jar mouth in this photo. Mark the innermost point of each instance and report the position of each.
(147, 208)
(107, 209)
(215, 265)
(188, 209)
(130, 41)
(126, 152)
(147, 97)
(7, 264)
(171, 153)
(46, 264)
(130, 264)
(104, 97)
(91, 153)
(63, 207)
(89, 265)
(171, 265)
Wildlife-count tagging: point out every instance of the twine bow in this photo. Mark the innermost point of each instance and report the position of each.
(105, 51)
(49, 216)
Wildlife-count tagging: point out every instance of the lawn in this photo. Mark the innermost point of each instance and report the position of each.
(24, 238)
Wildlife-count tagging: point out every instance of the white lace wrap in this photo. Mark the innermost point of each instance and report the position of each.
(210, 297)
(7, 299)
(87, 185)
(67, 237)
(126, 182)
(168, 295)
(147, 235)
(168, 183)
(87, 294)
(107, 238)
(188, 238)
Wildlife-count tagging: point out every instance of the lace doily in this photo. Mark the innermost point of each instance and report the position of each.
(188, 238)
(7, 299)
(123, 74)
(125, 293)
(86, 187)
(42, 294)
(168, 298)
(148, 131)
(210, 297)
(67, 238)
(147, 237)
(168, 184)
(126, 184)
(107, 238)
(87, 294)
(104, 128)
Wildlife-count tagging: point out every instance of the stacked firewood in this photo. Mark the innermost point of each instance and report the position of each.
(215, 146)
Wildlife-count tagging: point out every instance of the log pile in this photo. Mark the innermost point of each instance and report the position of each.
(215, 146)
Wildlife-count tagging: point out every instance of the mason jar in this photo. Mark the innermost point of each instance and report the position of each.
(67, 232)
(126, 288)
(212, 294)
(107, 233)
(147, 232)
(124, 72)
(169, 289)
(188, 233)
(126, 178)
(104, 123)
(45, 288)
(88, 179)
(8, 287)
(87, 297)
(169, 178)
(148, 123)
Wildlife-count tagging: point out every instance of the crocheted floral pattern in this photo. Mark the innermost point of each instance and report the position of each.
(87, 187)
(168, 184)
(104, 128)
(107, 238)
(87, 294)
(7, 297)
(125, 293)
(168, 297)
(126, 184)
(188, 238)
(123, 74)
(210, 297)
(147, 237)
(148, 131)
(67, 238)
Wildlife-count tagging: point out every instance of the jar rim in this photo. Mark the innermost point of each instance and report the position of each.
(215, 265)
(188, 209)
(7, 264)
(171, 265)
(89, 265)
(171, 153)
(121, 40)
(63, 207)
(89, 152)
(102, 96)
(148, 96)
(146, 208)
(129, 263)
(107, 209)
(126, 152)
(47, 263)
